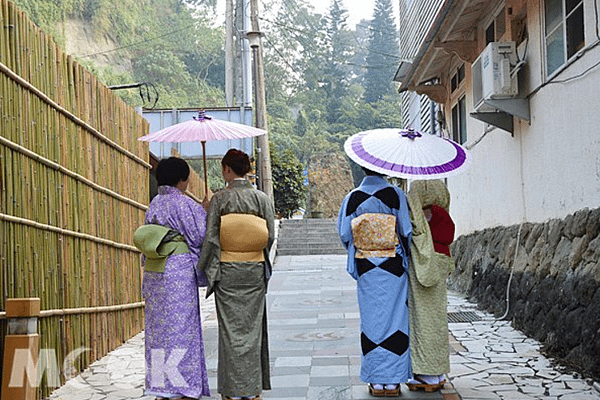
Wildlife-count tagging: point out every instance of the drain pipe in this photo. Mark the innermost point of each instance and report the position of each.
(512, 269)
(524, 205)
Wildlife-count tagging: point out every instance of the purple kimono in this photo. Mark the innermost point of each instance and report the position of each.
(175, 363)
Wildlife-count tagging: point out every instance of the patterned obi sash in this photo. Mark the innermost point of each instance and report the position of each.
(374, 235)
(243, 238)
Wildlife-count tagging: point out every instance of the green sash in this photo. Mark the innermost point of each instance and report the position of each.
(157, 243)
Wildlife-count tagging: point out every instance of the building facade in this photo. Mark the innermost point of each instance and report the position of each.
(517, 82)
(536, 153)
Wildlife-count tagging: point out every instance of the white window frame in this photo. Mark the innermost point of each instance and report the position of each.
(562, 24)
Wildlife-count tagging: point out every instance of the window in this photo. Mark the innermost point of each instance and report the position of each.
(457, 78)
(496, 28)
(459, 121)
(564, 31)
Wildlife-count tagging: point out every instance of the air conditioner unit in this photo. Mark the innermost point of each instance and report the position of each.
(491, 73)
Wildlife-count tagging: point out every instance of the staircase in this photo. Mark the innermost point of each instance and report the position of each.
(308, 237)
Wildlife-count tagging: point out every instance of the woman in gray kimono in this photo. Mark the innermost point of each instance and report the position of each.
(235, 258)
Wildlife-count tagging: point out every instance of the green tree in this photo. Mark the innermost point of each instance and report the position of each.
(338, 52)
(382, 56)
(289, 191)
(169, 44)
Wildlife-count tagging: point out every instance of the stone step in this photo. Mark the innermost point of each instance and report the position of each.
(309, 239)
(312, 232)
(300, 234)
(309, 236)
(307, 252)
(309, 245)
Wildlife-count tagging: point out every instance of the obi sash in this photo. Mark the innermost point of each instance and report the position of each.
(157, 243)
(243, 238)
(374, 235)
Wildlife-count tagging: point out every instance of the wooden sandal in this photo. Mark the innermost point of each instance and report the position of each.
(376, 392)
(393, 392)
(427, 387)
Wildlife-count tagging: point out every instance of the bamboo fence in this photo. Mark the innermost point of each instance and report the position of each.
(70, 196)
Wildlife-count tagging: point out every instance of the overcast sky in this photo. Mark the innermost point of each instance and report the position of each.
(357, 9)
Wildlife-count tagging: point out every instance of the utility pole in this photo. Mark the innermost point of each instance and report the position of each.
(229, 52)
(260, 102)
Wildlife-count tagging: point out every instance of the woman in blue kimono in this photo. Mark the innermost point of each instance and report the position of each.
(374, 226)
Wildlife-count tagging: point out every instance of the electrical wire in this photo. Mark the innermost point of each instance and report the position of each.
(137, 43)
(283, 58)
(512, 269)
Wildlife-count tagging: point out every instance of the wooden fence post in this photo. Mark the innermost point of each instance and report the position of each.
(22, 315)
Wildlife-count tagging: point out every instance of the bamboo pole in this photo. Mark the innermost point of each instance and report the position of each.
(66, 149)
(6, 70)
(77, 235)
(67, 172)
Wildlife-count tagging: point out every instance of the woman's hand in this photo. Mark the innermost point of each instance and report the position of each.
(206, 203)
(427, 212)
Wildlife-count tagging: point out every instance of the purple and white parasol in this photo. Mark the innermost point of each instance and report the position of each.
(407, 154)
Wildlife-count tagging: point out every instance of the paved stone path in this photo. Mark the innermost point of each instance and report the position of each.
(315, 353)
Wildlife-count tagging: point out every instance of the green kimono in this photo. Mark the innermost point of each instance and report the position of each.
(235, 259)
(427, 299)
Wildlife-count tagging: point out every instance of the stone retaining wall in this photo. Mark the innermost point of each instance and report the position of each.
(555, 288)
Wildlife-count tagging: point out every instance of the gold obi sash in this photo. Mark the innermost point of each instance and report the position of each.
(374, 235)
(243, 238)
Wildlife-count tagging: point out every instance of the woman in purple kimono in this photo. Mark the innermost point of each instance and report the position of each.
(175, 363)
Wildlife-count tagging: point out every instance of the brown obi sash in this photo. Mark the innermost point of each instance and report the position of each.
(243, 238)
(374, 235)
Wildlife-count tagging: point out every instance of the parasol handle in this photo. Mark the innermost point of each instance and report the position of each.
(205, 174)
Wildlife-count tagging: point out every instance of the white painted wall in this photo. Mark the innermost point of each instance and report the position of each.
(551, 167)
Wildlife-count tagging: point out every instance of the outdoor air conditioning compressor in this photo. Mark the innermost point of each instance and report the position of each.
(492, 74)
(496, 99)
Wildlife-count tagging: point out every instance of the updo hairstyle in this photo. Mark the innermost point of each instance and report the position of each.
(238, 161)
(171, 171)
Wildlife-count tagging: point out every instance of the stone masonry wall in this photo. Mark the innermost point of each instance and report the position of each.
(555, 288)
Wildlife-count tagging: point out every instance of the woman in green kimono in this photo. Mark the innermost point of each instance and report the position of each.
(431, 262)
(235, 258)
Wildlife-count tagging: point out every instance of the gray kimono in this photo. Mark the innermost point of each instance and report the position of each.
(239, 282)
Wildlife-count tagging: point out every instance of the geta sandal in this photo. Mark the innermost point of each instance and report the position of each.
(418, 384)
(376, 392)
(392, 392)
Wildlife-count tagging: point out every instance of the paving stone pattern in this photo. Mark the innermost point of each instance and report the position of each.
(315, 353)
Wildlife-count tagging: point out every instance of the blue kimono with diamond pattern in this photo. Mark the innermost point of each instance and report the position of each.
(382, 284)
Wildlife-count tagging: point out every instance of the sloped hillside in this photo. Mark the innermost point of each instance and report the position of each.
(168, 44)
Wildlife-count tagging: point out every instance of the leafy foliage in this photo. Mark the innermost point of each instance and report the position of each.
(168, 43)
(382, 57)
(213, 172)
(325, 81)
(322, 71)
(289, 191)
